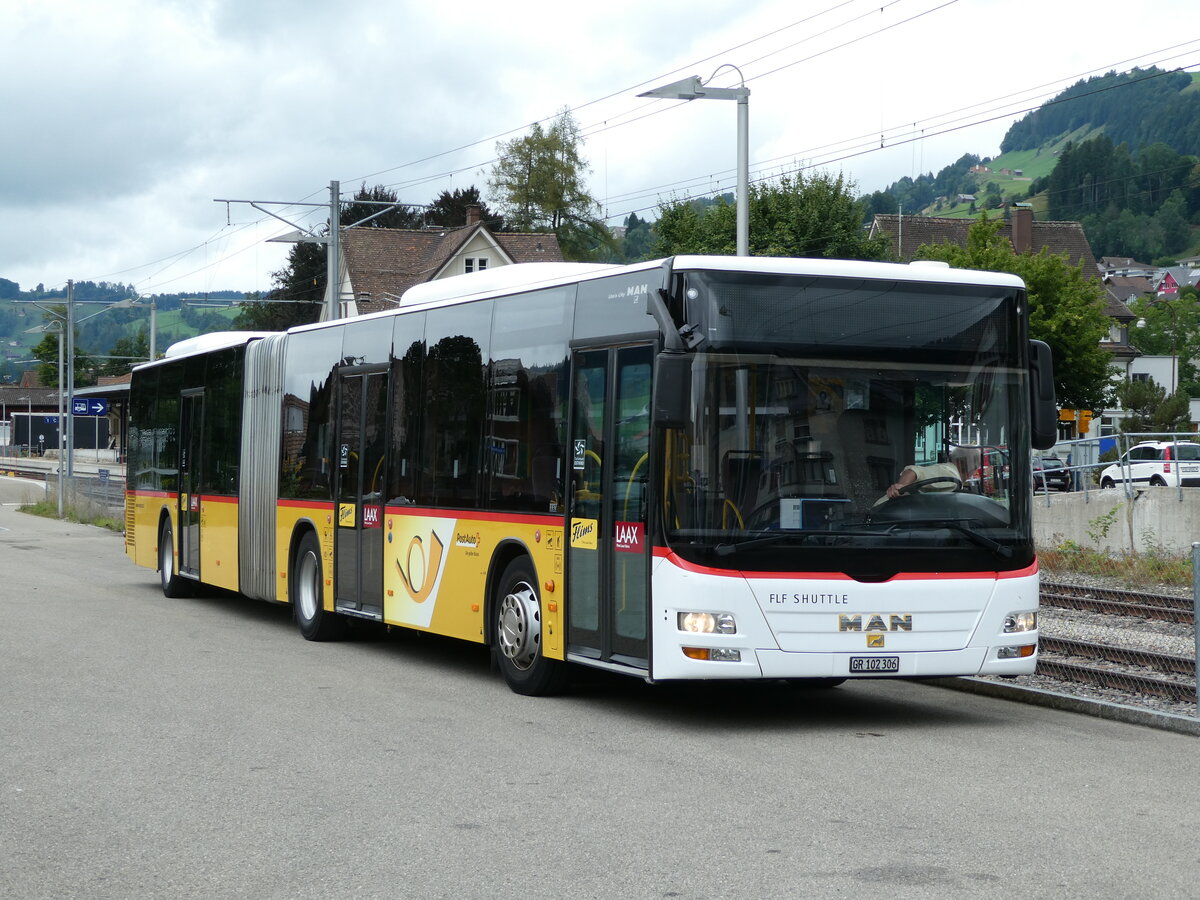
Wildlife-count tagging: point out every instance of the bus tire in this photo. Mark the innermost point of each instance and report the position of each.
(173, 584)
(306, 590)
(517, 646)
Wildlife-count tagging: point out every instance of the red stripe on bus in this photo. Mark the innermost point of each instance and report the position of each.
(471, 515)
(305, 504)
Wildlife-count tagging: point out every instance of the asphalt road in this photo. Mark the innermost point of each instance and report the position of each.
(201, 748)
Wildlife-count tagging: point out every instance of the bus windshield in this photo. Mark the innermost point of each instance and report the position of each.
(866, 460)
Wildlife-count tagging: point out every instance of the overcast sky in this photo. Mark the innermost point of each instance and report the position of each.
(124, 120)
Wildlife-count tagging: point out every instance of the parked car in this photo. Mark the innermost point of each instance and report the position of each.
(1050, 473)
(1156, 463)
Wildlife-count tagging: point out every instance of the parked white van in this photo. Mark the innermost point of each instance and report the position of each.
(1156, 463)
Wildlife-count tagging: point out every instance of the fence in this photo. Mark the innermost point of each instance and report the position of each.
(89, 496)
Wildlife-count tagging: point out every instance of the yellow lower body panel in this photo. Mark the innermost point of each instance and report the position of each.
(435, 571)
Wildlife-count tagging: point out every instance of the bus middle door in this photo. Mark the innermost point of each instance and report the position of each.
(361, 446)
(607, 562)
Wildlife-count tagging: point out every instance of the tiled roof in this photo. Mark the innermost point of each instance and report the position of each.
(1057, 237)
(1118, 289)
(19, 399)
(383, 263)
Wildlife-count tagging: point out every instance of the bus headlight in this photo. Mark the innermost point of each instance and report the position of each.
(707, 623)
(1020, 621)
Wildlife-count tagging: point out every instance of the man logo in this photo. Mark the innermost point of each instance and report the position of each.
(875, 641)
(875, 622)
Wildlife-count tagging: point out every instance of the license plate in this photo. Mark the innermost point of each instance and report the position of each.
(874, 664)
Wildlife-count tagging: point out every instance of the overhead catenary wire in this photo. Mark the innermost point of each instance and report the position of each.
(826, 155)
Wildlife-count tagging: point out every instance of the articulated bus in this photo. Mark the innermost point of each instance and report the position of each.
(698, 468)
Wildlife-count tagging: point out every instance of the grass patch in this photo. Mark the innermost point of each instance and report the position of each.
(48, 509)
(1136, 571)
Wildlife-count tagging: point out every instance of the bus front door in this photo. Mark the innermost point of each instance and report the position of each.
(191, 433)
(607, 562)
(361, 445)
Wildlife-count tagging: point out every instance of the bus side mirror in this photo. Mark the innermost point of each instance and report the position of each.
(1043, 408)
(673, 390)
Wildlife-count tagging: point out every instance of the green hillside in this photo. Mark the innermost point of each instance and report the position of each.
(99, 333)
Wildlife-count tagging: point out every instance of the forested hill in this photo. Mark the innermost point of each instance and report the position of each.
(1140, 107)
(1116, 153)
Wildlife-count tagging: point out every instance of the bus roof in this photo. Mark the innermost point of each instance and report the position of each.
(529, 276)
(206, 343)
(532, 276)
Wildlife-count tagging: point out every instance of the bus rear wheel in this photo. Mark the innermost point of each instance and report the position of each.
(518, 634)
(173, 584)
(306, 590)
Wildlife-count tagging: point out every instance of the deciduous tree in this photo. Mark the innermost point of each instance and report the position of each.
(538, 183)
(793, 216)
(1066, 310)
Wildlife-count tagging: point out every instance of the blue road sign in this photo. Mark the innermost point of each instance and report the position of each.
(82, 406)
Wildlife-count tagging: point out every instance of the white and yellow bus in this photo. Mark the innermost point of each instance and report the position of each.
(699, 468)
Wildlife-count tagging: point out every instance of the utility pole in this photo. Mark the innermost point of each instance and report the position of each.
(153, 329)
(61, 424)
(70, 412)
(333, 259)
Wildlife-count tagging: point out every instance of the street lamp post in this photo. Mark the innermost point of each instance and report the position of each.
(694, 89)
(1174, 344)
(56, 326)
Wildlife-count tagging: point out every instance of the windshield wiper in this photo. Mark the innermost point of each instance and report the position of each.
(781, 536)
(957, 525)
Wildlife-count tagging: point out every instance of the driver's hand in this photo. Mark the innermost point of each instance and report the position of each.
(893, 491)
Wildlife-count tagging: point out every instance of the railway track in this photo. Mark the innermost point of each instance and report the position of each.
(1111, 601)
(1137, 672)
(1122, 668)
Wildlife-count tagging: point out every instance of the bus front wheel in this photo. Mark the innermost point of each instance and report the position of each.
(306, 587)
(518, 634)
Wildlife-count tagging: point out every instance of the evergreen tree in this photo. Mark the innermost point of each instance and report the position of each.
(449, 209)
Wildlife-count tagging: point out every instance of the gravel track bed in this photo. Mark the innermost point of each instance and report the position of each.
(1118, 631)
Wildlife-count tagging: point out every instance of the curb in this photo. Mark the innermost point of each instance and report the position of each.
(1100, 709)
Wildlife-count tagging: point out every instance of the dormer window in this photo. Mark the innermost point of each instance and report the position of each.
(475, 263)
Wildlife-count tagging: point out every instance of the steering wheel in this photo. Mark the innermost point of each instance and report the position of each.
(925, 482)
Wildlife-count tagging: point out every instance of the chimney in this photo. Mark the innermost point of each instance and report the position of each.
(474, 214)
(1022, 229)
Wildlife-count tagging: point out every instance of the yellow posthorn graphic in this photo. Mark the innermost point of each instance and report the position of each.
(419, 579)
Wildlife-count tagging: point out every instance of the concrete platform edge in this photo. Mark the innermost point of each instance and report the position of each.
(1098, 708)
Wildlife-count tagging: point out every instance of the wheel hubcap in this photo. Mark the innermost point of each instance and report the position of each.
(307, 587)
(520, 631)
(166, 559)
